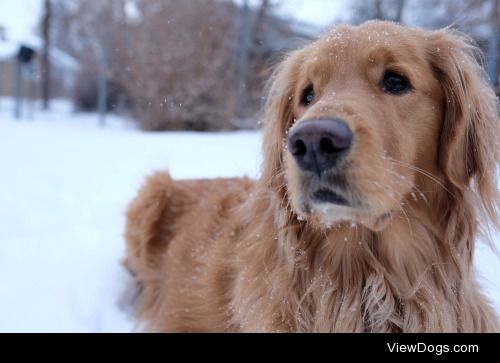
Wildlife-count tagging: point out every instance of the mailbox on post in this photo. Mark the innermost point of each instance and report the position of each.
(25, 57)
(25, 54)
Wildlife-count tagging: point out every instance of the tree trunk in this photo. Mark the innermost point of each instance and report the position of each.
(400, 5)
(244, 53)
(492, 55)
(378, 10)
(46, 55)
(259, 20)
(102, 91)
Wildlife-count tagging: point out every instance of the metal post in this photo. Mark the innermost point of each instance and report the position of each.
(31, 91)
(24, 58)
(102, 89)
(19, 90)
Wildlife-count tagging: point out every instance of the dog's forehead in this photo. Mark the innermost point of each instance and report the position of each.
(372, 38)
(354, 49)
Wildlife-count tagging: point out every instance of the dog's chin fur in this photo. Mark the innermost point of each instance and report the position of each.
(240, 255)
(328, 216)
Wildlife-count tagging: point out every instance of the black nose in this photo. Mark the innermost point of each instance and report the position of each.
(318, 145)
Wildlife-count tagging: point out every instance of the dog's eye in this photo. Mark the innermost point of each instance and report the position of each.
(307, 96)
(395, 83)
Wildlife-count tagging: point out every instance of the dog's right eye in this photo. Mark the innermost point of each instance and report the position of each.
(395, 83)
(307, 96)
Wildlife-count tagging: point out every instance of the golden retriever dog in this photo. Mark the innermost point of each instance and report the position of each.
(379, 173)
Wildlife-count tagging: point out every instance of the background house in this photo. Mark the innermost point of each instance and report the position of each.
(65, 69)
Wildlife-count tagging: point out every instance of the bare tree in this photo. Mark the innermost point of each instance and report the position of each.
(479, 18)
(251, 25)
(392, 10)
(400, 5)
(243, 57)
(93, 32)
(378, 10)
(179, 64)
(493, 51)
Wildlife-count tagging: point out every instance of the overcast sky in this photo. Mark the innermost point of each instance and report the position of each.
(21, 17)
(318, 12)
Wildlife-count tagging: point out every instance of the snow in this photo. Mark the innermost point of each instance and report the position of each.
(7, 50)
(65, 184)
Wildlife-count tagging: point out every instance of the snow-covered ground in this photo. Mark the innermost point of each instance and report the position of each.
(64, 185)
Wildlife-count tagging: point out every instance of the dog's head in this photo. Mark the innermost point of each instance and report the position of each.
(368, 117)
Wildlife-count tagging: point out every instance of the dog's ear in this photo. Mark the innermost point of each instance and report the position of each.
(469, 147)
(278, 116)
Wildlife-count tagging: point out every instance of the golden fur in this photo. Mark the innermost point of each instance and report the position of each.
(237, 255)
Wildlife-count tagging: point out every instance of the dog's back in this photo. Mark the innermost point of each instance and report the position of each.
(170, 229)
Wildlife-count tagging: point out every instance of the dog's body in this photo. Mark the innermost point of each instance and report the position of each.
(181, 238)
(365, 222)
